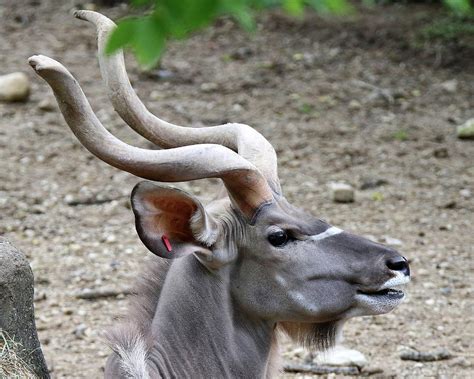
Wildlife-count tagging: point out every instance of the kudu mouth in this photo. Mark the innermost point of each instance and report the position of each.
(385, 297)
(388, 292)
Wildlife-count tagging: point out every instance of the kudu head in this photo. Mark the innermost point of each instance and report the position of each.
(285, 265)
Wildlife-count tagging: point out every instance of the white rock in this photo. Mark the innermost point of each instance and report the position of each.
(47, 105)
(341, 356)
(14, 87)
(80, 331)
(69, 199)
(391, 241)
(209, 87)
(466, 130)
(342, 192)
(465, 193)
(354, 104)
(450, 86)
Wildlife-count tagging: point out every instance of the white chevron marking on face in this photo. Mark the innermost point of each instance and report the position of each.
(332, 231)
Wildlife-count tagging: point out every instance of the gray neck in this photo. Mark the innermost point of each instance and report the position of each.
(199, 332)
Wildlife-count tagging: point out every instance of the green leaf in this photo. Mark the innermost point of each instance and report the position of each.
(339, 7)
(123, 35)
(459, 6)
(143, 35)
(293, 7)
(240, 11)
(149, 41)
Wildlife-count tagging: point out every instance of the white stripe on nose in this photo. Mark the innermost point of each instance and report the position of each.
(332, 231)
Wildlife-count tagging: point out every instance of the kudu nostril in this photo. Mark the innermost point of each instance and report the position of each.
(399, 264)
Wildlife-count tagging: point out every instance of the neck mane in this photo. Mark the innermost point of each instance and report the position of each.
(188, 324)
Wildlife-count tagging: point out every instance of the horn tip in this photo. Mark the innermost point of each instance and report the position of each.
(42, 64)
(86, 15)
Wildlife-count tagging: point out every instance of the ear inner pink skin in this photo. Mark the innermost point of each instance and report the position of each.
(167, 243)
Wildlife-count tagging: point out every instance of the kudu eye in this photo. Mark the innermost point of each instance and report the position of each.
(278, 238)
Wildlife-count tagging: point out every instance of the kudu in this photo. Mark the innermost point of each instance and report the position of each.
(250, 264)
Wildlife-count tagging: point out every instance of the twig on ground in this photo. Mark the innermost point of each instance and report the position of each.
(91, 294)
(431, 356)
(316, 369)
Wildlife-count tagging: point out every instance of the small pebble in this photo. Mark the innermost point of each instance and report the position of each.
(342, 192)
(450, 86)
(242, 53)
(441, 152)
(466, 130)
(391, 241)
(354, 105)
(47, 105)
(209, 87)
(461, 362)
(80, 331)
(465, 193)
(369, 183)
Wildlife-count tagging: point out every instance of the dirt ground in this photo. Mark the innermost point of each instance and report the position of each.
(360, 100)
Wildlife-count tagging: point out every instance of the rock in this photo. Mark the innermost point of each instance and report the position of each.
(369, 183)
(391, 241)
(47, 105)
(466, 193)
(441, 152)
(450, 86)
(466, 130)
(80, 331)
(14, 87)
(209, 87)
(342, 192)
(158, 74)
(17, 319)
(366, 371)
(461, 362)
(354, 105)
(69, 199)
(242, 53)
(380, 97)
(156, 95)
(446, 291)
(408, 354)
(165, 74)
(341, 356)
(448, 204)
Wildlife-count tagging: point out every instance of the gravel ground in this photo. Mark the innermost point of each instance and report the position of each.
(356, 100)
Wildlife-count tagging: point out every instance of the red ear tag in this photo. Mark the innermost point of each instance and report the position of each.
(166, 242)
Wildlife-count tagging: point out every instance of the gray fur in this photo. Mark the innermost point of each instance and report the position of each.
(222, 316)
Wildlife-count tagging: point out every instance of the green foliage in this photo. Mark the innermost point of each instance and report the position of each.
(461, 7)
(449, 28)
(176, 19)
(401, 135)
(306, 108)
(164, 20)
(377, 196)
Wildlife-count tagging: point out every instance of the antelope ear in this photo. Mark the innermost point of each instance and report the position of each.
(172, 223)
